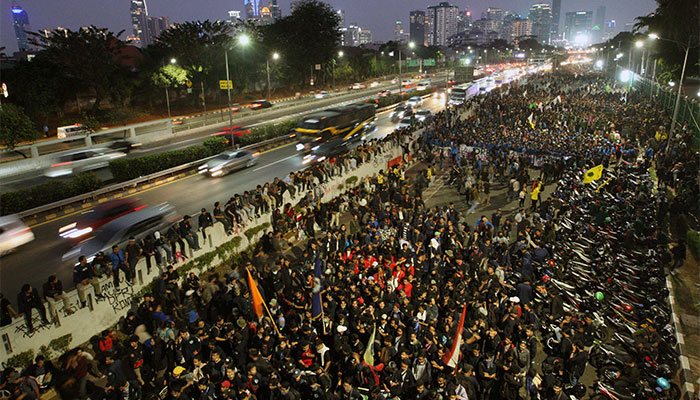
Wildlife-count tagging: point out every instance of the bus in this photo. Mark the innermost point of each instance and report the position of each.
(72, 130)
(338, 124)
(462, 93)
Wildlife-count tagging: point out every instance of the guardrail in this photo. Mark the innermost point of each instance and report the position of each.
(117, 187)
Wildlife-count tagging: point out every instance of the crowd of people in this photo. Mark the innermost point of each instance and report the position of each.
(396, 276)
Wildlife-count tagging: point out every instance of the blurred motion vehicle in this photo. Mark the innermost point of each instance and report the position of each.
(422, 115)
(82, 160)
(415, 101)
(422, 86)
(260, 104)
(13, 233)
(374, 84)
(118, 231)
(384, 93)
(91, 220)
(229, 161)
(357, 86)
(336, 125)
(439, 96)
(405, 122)
(402, 110)
(124, 146)
(235, 132)
(321, 94)
(328, 150)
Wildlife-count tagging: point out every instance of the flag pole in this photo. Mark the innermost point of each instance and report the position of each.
(267, 309)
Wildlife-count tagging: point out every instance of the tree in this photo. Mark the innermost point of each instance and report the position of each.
(16, 126)
(530, 44)
(170, 76)
(676, 21)
(308, 36)
(92, 58)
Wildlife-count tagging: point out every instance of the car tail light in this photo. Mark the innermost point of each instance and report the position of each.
(21, 232)
(141, 207)
(62, 163)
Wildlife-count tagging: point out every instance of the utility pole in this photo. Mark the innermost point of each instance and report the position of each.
(228, 91)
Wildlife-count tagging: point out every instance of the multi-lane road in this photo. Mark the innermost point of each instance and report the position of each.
(36, 261)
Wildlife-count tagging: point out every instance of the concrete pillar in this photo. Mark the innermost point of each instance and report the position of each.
(132, 132)
(88, 141)
(34, 151)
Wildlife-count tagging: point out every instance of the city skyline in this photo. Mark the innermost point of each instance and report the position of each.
(380, 20)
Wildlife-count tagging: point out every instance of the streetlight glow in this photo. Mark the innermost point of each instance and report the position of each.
(340, 53)
(243, 39)
(671, 83)
(653, 36)
(624, 76)
(639, 43)
(411, 45)
(173, 61)
(275, 56)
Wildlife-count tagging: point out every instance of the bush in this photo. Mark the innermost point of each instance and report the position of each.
(395, 98)
(268, 132)
(124, 169)
(46, 193)
(694, 244)
(22, 360)
(250, 233)
(216, 145)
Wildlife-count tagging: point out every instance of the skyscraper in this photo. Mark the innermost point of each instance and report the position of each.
(577, 27)
(417, 26)
(21, 23)
(252, 9)
(556, 17)
(517, 29)
(598, 29)
(398, 31)
(443, 22)
(154, 27)
(541, 17)
(275, 10)
(139, 13)
(341, 15)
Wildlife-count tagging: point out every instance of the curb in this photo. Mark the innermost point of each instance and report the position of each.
(685, 374)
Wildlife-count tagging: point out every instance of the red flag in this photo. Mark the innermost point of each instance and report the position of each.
(255, 295)
(452, 357)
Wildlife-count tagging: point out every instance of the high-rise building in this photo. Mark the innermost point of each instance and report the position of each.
(486, 25)
(518, 29)
(398, 31)
(464, 21)
(341, 16)
(598, 30)
(495, 14)
(541, 17)
(139, 14)
(20, 19)
(417, 26)
(154, 27)
(59, 30)
(443, 22)
(577, 27)
(365, 36)
(355, 36)
(556, 17)
(275, 10)
(610, 28)
(252, 9)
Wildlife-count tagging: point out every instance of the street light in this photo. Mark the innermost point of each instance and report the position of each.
(340, 55)
(167, 95)
(410, 45)
(242, 40)
(671, 83)
(639, 43)
(275, 57)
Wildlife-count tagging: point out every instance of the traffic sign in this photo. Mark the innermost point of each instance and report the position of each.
(411, 63)
(224, 86)
(429, 62)
(318, 67)
(188, 83)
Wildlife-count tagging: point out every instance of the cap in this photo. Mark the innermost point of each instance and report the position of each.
(178, 370)
(156, 235)
(131, 238)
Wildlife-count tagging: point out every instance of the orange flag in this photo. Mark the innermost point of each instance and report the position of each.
(255, 294)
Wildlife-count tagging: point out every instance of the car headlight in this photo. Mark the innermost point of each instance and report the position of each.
(315, 148)
(67, 227)
(80, 232)
(300, 147)
(217, 168)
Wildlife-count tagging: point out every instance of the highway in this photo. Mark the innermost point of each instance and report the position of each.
(42, 257)
(278, 113)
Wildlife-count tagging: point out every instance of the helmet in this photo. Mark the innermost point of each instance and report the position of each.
(663, 383)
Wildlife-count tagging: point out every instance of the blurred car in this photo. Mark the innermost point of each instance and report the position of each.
(405, 123)
(394, 81)
(13, 233)
(237, 130)
(422, 115)
(357, 86)
(326, 150)
(229, 161)
(91, 220)
(374, 84)
(137, 224)
(235, 107)
(321, 94)
(260, 104)
(439, 96)
(406, 82)
(422, 86)
(415, 101)
(401, 111)
(123, 146)
(384, 93)
(83, 160)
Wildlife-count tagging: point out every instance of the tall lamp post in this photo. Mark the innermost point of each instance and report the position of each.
(340, 55)
(275, 57)
(410, 45)
(242, 40)
(167, 95)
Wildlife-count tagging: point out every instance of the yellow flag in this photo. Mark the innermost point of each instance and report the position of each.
(593, 174)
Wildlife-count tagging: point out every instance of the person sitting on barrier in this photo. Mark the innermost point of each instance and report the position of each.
(53, 292)
(187, 232)
(83, 275)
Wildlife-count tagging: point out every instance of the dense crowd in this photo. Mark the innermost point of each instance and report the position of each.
(396, 276)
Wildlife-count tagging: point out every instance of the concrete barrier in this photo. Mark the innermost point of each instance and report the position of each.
(100, 314)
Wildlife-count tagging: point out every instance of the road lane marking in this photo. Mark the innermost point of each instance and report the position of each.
(278, 161)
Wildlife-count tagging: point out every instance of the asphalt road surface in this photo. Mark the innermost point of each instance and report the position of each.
(34, 262)
(277, 113)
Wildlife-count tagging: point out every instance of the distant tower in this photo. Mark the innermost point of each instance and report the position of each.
(21, 22)
(556, 18)
(139, 16)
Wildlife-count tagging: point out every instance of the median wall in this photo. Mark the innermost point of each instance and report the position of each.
(100, 314)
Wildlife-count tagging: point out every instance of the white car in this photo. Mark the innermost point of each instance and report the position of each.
(422, 115)
(406, 82)
(13, 233)
(357, 86)
(405, 123)
(321, 94)
(374, 84)
(422, 86)
(415, 101)
(83, 160)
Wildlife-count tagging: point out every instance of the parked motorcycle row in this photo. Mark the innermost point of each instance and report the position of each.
(606, 267)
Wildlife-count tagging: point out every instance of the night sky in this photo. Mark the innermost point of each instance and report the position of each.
(377, 15)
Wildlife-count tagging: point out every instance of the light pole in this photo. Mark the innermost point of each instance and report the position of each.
(275, 57)
(243, 40)
(410, 45)
(167, 95)
(340, 55)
